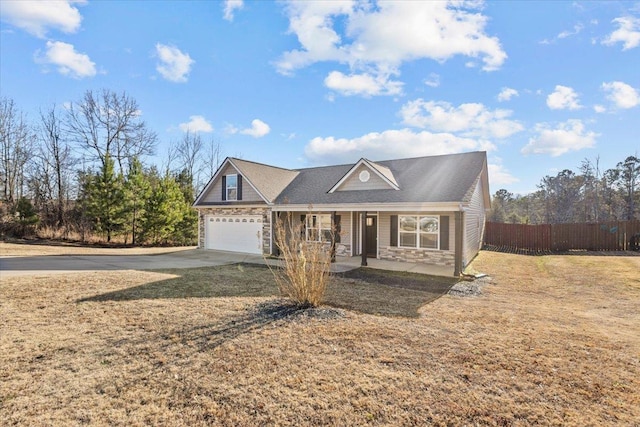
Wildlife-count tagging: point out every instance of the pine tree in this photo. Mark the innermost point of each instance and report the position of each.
(137, 191)
(105, 200)
(164, 211)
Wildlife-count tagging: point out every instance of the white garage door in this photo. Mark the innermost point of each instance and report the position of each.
(235, 233)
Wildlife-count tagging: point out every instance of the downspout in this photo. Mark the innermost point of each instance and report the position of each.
(459, 217)
(200, 220)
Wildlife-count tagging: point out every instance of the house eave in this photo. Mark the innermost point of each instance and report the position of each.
(380, 207)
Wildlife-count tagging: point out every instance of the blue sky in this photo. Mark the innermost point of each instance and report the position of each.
(539, 85)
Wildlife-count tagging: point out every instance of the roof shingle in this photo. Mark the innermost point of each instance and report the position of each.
(445, 178)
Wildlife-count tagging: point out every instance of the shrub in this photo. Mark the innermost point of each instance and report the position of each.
(304, 274)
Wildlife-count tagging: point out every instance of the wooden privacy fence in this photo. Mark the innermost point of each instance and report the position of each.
(603, 236)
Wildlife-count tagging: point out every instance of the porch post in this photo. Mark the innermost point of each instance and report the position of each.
(333, 236)
(363, 238)
(457, 271)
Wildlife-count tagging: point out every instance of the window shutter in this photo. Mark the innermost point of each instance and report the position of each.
(224, 187)
(337, 229)
(303, 227)
(394, 231)
(239, 190)
(444, 233)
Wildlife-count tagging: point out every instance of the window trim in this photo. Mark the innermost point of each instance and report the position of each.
(228, 187)
(417, 233)
(317, 229)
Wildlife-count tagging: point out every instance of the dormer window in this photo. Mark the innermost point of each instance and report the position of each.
(231, 189)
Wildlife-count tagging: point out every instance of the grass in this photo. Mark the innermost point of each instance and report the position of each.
(554, 340)
(44, 247)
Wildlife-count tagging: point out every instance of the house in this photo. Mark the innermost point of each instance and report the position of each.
(425, 209)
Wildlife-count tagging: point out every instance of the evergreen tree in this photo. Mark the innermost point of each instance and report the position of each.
(27, 216)
(187, 230)
(164, 211)
(137, 190)
(105, 200)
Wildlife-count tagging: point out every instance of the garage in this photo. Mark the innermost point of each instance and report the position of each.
(235, 233)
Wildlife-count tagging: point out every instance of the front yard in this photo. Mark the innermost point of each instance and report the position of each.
(553, 340)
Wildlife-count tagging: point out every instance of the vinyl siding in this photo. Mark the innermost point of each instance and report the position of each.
(474, 220)
(384, 228)
(214, 195)
(353, 181)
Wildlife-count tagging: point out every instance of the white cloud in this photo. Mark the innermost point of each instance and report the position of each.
(507, 93)
(258, 129)
(564, 34)
(377, 40)
(230, 129)
(67, 60)
(174, 64)
(362, 84)
(470, 120)
(38, 17)
(499, 175)
(567, 136)
(196, 124)
(230, 7)
(628, 33)
(433, 80)
(567, 33)
(563, 98)
(621, 94)
(390, 144)
(599, 108)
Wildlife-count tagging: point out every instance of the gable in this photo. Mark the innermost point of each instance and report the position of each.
(366, 175)
(371, 182)
(213, 192)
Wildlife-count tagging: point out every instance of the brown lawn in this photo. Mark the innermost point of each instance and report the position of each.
(45, 247)
(554, 340)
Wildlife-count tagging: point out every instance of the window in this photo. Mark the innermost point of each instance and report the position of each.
(419, 232)
(232, 187)
(318, 228)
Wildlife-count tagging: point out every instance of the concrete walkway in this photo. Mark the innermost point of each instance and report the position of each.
(58, 264)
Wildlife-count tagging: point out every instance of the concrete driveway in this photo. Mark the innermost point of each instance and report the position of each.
(52, 264)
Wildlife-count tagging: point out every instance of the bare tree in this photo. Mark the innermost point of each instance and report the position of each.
(591, 191)
(189, 152)
(108, 124)
(16, 145)
(214, 156)
(56, 160)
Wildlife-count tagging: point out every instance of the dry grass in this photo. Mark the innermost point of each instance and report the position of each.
(555, 340)
(45, 247)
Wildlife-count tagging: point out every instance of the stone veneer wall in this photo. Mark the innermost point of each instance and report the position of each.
(391, 253)
(239, 210)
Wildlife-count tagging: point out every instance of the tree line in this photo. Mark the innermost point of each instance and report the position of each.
(80, 172)
(588, 195)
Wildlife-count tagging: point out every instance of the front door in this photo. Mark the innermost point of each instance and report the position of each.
(371, 230)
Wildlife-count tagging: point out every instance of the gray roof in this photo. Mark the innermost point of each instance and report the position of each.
(268, 180)
(446, 178)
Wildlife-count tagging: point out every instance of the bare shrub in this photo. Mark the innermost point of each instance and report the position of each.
(306, 265)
